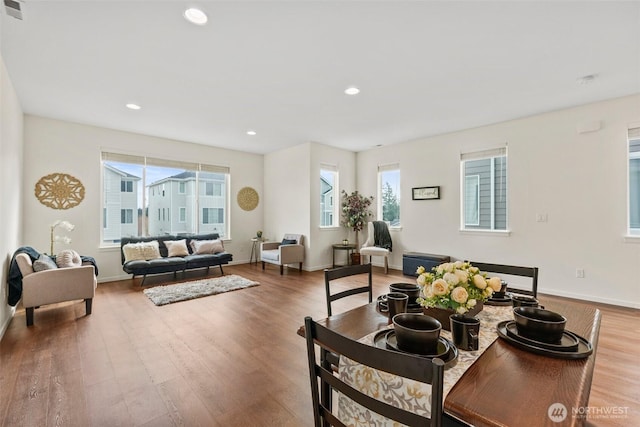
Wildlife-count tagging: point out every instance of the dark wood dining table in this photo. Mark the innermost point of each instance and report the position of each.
(507, 386)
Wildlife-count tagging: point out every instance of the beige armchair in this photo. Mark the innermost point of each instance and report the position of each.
(283, 254)
(54, 286)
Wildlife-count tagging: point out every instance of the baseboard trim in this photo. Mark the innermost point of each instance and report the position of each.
(7, 321)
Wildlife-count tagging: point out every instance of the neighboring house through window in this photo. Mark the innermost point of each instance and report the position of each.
(328, 190)
(164, 194)
(484, 190)
(634, 181)
(389, 194)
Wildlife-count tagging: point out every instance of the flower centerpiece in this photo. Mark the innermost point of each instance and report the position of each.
(455, 287)
(66, 225)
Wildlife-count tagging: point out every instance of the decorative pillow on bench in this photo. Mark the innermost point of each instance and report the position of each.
(177, 248)
(141, 251)
(200, 247)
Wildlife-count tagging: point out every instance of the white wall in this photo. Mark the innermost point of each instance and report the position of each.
(57, 146)
(578, 180)
(287, 192)
(320, 255)
(11, 167)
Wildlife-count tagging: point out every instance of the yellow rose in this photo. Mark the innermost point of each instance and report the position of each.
(495, 283)
(420, 270)
(463, 276)
(479, 281)
(427, 291)
(459, 295)
(462, 309)
(458, 264)
(471, 303)
(440, 287)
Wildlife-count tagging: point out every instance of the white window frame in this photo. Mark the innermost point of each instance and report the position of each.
(477, 204)
(381, 170)
(182, 187)
(334, 213)
(182, 214)
(633, 134)
(493, 154)
(126, 211)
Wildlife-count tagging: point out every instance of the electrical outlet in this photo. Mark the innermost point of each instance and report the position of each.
(580, 273)
(541, 217)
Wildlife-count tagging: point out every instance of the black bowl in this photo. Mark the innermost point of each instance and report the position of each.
(524, 301)
(410, 289)
(539, 324)
(417, 333)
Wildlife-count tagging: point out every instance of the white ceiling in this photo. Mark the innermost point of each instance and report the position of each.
(280, 68)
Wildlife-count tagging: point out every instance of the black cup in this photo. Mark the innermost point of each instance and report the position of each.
(465, 330)
(501, 292)
(524, 301)
(417, 333)
(397, 304)
(412, 290)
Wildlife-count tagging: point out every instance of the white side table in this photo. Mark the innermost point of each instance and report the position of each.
(255, 249)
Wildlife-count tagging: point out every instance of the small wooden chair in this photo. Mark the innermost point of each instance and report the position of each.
(341, 272)
(323, 380)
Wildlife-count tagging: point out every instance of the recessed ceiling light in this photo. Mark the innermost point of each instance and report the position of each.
(252, 132)
(585, 80)
(195, 16)
(352, 90)
(133, 106)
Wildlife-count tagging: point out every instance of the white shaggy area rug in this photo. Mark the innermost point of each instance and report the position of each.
(162, 295)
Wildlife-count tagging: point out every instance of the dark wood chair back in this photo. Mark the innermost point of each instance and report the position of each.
(512, 270)
(341, 272)
(323, 380)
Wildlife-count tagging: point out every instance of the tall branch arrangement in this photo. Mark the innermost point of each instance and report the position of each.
(356, 209)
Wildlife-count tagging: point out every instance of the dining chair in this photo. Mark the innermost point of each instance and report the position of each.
(346, 271)
(512, 270)
(323, 380)
(378, 242)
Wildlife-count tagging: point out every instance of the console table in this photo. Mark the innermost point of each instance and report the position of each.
(350, 247)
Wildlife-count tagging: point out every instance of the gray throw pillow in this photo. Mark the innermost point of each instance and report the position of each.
(44, 262)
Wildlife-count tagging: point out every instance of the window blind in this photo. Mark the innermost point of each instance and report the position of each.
(484, 154)
(388, 167)
(154, 161)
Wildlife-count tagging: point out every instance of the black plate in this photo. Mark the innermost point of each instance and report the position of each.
(584, 347)
(569, 341)
(441, 351)
(506, 300)
(450, 359)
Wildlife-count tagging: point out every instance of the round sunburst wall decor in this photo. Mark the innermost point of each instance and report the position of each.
(248, 198)
(59, 191)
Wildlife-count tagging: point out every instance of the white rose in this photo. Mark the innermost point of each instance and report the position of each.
(450, 278)
(458, 264)
(495, 283)
(479, 281)
(420, 270)
(422, 280)
(463, 276)
(474, 270)
(459, 295)
(471, 303)
(462, 309)
(442, 267)
(440, 287)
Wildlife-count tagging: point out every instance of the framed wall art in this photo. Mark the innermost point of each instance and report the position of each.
(425, 193)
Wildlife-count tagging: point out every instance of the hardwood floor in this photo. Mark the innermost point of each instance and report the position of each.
(232, 359)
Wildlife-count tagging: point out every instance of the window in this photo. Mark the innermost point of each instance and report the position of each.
(484, 190)
(389, 194)
(126, 186)
(328, 189)
(148, 188)
(126, 216)
(212, 216)
(634, 181)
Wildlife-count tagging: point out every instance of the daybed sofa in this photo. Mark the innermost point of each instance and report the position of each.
(170, 254)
